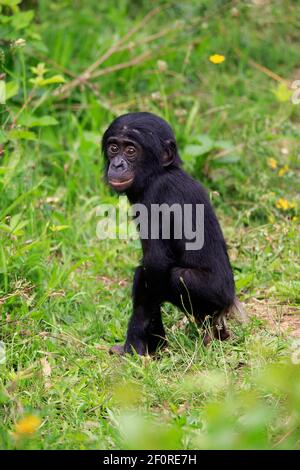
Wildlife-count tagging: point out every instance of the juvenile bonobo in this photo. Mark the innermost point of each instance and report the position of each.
(142, 161)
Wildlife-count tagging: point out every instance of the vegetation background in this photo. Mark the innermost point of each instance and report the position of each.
(67, 69)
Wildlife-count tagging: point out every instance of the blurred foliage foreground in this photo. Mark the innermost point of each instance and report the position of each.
(221, 72)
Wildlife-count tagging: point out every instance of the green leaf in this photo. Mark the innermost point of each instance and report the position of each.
(92, 137)
(18, 134)
(230, 158)
(3, 137)
(195, 150)
(18, 200)
(39, 70)
(5, 228)
(282, 93)
(39, 81)
(10, 3)
(17, 224)
(15, 228)
(224, 144)
(244, 281)
(22, 19)
(37, 314)
(54, 79)
(4, 397)
(12, 89)
(2, 92)
(205, 141)
(206, 144)
(32, 121)
(58, 228)
(191, 117)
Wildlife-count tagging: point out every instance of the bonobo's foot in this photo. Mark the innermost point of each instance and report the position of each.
(127, 348)
(218, 330)
(208, 337)
(117, 349)
(140, 348)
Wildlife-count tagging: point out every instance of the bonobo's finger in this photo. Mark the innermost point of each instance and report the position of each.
(207, 339)
(117, 349)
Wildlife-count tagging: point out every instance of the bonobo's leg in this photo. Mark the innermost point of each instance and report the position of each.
(199, 293)
(145, 332)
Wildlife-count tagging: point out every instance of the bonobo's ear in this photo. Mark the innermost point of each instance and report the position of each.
(169, 155)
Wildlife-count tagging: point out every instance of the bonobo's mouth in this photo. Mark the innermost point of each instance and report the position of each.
(120, 185)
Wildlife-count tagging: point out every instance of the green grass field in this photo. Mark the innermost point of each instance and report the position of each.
(67, 69)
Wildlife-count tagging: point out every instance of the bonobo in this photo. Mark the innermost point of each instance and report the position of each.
(142, 161)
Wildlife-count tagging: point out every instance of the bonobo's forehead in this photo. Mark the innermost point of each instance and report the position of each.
(123, 130)
(121, 140)
(128, 132)
(126, 137)
(136, 124)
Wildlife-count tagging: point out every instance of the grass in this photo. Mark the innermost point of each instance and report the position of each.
(65, 295)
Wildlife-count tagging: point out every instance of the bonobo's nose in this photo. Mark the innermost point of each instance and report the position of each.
(118, 164)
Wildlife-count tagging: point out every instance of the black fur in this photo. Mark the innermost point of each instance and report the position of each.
(198, 282)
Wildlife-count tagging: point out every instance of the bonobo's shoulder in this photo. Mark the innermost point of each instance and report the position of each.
(177, 186)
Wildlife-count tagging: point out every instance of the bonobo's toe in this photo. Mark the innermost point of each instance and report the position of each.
(117, 349)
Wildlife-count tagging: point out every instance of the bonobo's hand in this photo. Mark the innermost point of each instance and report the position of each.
(127, 348)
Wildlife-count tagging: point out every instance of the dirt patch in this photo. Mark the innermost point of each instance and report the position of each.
(281, 318)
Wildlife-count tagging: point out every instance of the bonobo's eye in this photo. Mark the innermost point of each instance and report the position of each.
(130, 151)
(113, 148)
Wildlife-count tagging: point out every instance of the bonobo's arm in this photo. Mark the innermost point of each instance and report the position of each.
(158, 259)
(145, 332)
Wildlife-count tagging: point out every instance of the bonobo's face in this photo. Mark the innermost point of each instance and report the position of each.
(138, 148)
(123, 154)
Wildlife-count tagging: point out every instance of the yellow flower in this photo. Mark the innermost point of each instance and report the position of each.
(283, 170)
(284, 204)
(27, 425)
(217, 58)
(272, 163)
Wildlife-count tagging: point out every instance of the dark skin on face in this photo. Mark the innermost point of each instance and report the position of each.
(122, 154)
